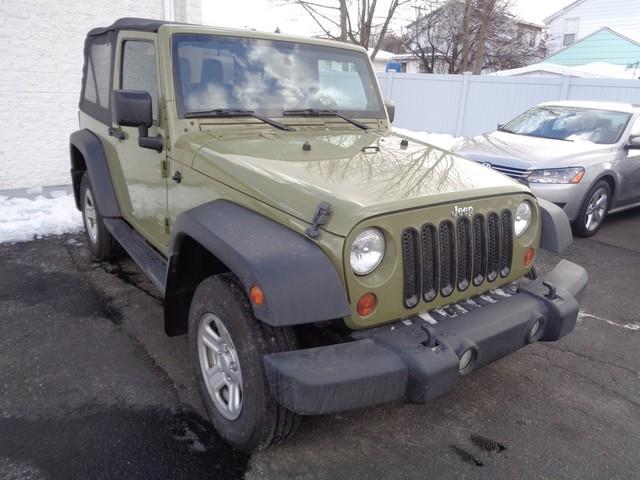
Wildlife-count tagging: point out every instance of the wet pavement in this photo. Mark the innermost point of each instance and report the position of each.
(90, 387)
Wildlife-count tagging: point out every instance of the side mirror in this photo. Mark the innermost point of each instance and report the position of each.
(132, 108)
(633, 143)
(391, 109)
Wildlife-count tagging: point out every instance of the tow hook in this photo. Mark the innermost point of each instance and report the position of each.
(430, 342)
(551, 294)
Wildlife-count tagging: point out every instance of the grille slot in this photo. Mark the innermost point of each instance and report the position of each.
(464, 253)
(411, 264)
(479, 250)
(447, 258)
(493, 246)
(429, 239)
(506, 253)
(439, 259)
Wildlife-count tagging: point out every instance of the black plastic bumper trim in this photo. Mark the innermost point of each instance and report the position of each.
(417, 361)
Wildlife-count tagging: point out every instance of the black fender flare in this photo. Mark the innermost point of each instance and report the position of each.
(300, 283)
(556, 230)
(90, 146)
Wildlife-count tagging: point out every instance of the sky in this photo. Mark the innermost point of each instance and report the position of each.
(266, 15)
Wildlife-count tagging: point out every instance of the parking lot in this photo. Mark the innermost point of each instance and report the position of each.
(90, 387)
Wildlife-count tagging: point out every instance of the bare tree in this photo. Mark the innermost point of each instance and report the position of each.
(363, 22)
(458, 35)
(487, 8)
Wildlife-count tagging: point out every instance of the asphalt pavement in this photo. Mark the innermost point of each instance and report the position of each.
(90, 387)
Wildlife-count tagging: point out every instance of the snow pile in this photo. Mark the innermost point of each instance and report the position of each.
(589, 70)
(440, 140)
(22, 219)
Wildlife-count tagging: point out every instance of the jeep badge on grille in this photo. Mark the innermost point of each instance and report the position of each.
(462, 211)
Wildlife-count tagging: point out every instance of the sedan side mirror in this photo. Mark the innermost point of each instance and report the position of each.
(132, 108)
(633, 143)
(391, 109)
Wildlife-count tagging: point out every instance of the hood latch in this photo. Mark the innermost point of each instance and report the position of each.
(320, 218)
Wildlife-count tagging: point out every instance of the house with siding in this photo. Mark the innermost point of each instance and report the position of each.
(603, 45)
(612, 27)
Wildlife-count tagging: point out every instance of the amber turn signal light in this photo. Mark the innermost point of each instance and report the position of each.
(528, 256)
(367, 304)
(257, 295)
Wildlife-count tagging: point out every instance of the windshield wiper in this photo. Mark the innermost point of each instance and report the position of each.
(506, 130)
(237, 112)
(316, 112)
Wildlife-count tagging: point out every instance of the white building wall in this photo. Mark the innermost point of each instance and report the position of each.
(40, 75)
(619, 15)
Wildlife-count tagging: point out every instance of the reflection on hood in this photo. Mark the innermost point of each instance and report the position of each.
(360, 174)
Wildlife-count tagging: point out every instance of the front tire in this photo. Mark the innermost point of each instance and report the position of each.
(227, 344)
(594, 210)
(101, 243)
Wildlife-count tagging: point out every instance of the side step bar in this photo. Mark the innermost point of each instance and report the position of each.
(148, 259)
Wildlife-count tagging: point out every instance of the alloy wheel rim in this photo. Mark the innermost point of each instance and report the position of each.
(90, 220)
(596, 209)
(220, 366)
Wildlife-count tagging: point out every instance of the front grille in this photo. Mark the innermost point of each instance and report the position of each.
(411, 265)
(510, 171)
(439, 259)
(430, 276)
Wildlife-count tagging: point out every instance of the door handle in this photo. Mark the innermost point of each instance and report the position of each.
(114, 132)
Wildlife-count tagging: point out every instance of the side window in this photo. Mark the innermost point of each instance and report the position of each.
(635, 129)
(97, 78)
(101, 61)
(139, 70)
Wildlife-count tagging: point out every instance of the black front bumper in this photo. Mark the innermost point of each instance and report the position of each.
(418, 359)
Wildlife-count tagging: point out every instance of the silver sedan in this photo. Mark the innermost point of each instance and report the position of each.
(582, 156)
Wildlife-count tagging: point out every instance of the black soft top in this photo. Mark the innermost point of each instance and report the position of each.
(131, 23)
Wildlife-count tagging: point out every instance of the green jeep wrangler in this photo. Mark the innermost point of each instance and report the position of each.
(317, 260)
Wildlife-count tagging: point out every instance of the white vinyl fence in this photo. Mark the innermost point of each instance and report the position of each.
(468, 104)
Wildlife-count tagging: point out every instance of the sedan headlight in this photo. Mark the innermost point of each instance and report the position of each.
(367, 251)
(523, 218)
(557, 175)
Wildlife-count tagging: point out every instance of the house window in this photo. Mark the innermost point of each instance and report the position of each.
(570, 31)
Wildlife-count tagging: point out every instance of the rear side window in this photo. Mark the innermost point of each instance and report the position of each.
(97, 77)
(139, 71)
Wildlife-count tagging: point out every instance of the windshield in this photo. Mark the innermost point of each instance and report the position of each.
(570, 123)
(266, 76)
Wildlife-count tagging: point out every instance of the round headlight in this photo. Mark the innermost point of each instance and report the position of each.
(523, 218)
(367, 251)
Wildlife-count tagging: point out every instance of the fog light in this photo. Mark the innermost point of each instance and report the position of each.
(466, 359)
(534, 329)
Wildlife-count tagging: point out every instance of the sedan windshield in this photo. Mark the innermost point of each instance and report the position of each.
(570, 123)
(222, 72)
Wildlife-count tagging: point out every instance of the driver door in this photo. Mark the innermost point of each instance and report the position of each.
(143, 170)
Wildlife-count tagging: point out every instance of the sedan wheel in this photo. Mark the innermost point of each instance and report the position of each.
(596, 209)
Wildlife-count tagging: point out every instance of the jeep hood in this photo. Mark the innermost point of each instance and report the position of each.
(527, 152)
(361, 174)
